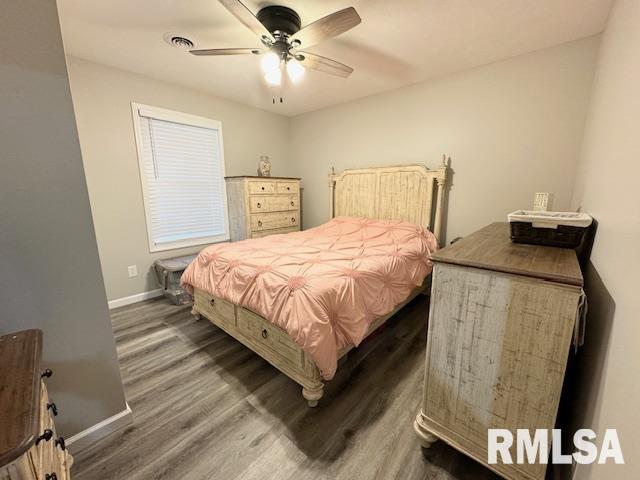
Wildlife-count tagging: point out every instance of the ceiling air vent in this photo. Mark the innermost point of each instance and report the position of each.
(178, 41)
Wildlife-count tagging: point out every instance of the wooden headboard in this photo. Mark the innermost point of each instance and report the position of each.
(397, 192)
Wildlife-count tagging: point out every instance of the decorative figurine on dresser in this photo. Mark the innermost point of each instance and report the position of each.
(501, 321)
(264, 167)
(261, 206)
(29, 447)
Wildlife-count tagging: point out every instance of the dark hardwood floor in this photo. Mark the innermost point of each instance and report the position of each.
(206, 407)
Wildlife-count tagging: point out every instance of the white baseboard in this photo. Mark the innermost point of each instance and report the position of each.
(138, 297)
(88, 437)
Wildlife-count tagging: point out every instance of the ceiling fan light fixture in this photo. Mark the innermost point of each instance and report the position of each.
(270, 62)
(274, 77)
(295, 70)
(281, 33)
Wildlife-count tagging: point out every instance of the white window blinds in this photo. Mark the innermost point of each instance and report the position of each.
(182, 169)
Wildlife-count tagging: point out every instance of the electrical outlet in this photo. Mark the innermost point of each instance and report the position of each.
(542, 201)
(133, 270)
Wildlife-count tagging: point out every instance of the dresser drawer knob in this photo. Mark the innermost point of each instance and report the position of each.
(292, 204)
(212, 301)
(288, 188)
(50, 476)
(293, 220)
(262, 188)
(54, 409)
(46, 436)
(264, 333)
(60, 443)
(258, 205)
(259, 223)
(47, 373)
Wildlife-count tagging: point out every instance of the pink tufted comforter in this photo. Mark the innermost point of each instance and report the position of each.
(324, 286)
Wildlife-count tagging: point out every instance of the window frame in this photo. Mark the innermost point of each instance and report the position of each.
(158, 113)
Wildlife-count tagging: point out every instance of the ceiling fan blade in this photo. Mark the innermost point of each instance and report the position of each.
(324, 64)
(327, 27)
(225, 51)
(242, 13)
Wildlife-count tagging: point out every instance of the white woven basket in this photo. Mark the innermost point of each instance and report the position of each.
(551, 219)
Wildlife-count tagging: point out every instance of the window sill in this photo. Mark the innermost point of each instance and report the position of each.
(188, 243)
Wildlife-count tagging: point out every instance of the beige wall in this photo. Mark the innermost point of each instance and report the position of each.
(102, 99)
(608, 187)
(50, 272)
(525, 114)
(511, 128)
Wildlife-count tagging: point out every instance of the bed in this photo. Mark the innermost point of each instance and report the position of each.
(302, 300)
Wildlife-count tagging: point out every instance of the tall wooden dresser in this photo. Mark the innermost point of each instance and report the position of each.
(261, 206)
(501, 321)
(29, 446)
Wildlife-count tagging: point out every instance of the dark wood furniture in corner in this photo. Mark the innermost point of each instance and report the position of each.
(501, 321)
(29, 446)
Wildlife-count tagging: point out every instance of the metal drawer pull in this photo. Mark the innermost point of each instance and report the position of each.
(54, 409)
(212, 301)
(60, 443)
(47, 373)
(292, 204)
(46, 436)
(259, 223)
(258, 205)
(50, 476)
(293, 219)
(264, 333)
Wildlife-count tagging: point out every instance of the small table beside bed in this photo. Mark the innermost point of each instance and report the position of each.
(302, 300)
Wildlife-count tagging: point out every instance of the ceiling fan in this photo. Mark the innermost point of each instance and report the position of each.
(279, 30)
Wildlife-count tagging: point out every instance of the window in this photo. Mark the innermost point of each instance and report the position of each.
(182, 174)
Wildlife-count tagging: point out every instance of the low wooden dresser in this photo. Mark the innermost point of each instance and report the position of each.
(261, 206)
(29, 446)
(501, 321)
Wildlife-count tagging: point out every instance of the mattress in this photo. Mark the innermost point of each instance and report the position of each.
(324, 286)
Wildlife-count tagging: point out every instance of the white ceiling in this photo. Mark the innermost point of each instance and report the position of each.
(399, 42)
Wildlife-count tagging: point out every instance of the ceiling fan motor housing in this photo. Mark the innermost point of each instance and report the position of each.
(279, 19)
(279, 30)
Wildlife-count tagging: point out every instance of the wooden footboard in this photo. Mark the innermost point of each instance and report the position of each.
(271, 342)
(267, 340)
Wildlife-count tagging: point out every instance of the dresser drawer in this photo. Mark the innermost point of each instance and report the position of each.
(258, 187)
(275, 231)
(269, 221)
(275, 203)
(48, 461)
(48, 453)
(287, 187)
(46, 414)
(212, 306)
(65, 462)
(268, 335)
